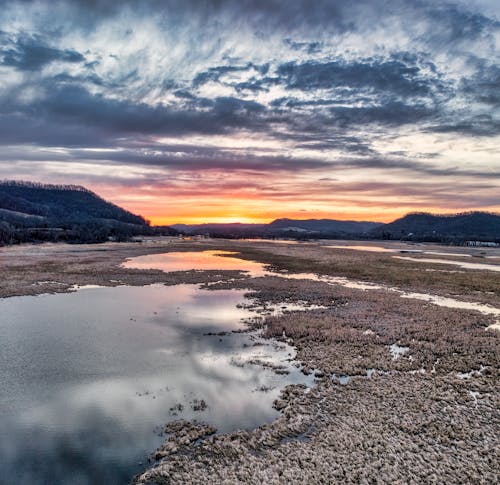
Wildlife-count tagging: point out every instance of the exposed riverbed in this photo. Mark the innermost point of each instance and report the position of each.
(405, 370)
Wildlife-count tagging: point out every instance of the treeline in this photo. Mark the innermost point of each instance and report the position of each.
(91, 231)
(455, 240)
(77, 232)
(452, 229)
(39, 185)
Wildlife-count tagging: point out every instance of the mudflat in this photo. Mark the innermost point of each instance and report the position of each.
(406, 390)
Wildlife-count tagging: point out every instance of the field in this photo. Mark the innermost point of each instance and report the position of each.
(406, 391)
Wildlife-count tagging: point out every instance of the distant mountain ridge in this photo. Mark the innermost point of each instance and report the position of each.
(323, 226)
(482, 226)
(281, 227)
(44, 212)
(234, 229)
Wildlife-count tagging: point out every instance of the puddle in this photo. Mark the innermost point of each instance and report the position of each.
(383, 249)
(277, 241)
(472, 373)
(278, 309)
(397, 351)
(196, 261)
(342, 380)
(442, 253)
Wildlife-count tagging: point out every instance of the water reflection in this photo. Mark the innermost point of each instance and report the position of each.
(87, 377)
(196, 260)
(213, 258)
(219, 260)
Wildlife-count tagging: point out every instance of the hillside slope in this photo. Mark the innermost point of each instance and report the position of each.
(481, 226)
(31, 212)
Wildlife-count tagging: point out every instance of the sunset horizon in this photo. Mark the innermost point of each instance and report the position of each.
(209, 213)
(249, 241)
(203, 112)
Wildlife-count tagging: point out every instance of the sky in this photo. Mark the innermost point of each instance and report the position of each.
(222, 111)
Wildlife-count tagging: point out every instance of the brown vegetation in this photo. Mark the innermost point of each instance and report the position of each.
(430, 415)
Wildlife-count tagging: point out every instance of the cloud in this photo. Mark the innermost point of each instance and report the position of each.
(322, 89)
(395, 77)
(31, 53)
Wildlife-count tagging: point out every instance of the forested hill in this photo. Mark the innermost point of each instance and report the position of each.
(483, 226)
(31, 212)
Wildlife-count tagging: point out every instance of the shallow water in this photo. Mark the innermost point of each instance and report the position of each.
(383, 249)
(462, 264)
(214, 258)
(453, 303)
(277, 241)
(196, 260)
(227, 260)
(88, 377)
(375, 249)
(397, 351)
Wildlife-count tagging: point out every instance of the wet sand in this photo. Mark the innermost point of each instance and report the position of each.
(428, 414)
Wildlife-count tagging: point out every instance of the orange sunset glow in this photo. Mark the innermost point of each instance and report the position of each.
(233, 115)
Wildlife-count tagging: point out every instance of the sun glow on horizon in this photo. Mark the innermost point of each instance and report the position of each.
(375, 216)
(254, 111)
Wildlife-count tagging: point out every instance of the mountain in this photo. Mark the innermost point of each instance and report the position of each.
(281, 228)
(481, 226)
(31, 212)
(37, 212)
(322, 226)
(235, 229)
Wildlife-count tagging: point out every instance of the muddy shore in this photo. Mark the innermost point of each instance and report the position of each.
(428, 413)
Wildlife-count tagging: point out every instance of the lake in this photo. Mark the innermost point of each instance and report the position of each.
(90, 377)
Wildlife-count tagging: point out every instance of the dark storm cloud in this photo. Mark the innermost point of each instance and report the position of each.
(187, 158)
(392, 92)
(397, 163)
(458, 24)
(31, 53)
(192, 158)
(400, 75)
(456, 21)
(309, 47)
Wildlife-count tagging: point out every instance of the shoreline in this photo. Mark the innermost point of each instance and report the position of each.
(410, 418)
